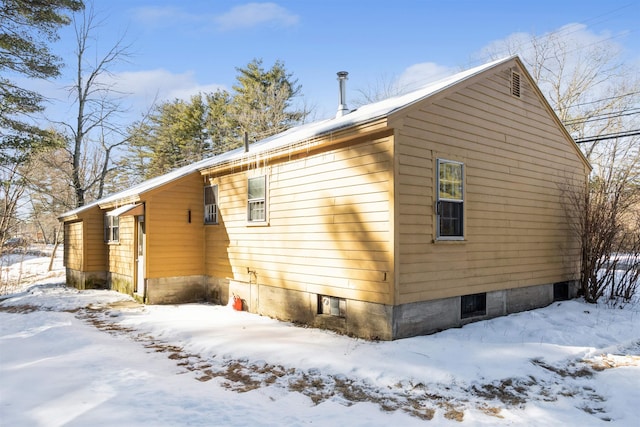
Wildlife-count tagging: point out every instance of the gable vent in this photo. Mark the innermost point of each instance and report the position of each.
(515, 84)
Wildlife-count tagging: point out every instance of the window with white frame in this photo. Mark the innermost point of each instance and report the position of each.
(211, 204)
(450, 200)
(256, 196)
(111, 228)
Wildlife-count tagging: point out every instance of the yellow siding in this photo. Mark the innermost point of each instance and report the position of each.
(516, 160)
(175, 246)
(328, 226)
(95, 247)
(85, 249)
(121, 254)
(73, 245)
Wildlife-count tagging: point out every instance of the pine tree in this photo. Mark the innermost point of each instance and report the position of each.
(180, 131)
(262, 103)
(26, 29)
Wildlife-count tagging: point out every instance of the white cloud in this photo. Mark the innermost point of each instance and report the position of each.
(569, 41)
(160, 84)
(240, 17)
(254, 14)
(160, 16)
(420, 74)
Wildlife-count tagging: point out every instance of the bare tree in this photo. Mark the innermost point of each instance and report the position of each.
(98, 105)
(384, 87)
(49, 188)
(605, 218)
(12, 187)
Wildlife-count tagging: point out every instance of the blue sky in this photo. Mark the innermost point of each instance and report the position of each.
(182, 47)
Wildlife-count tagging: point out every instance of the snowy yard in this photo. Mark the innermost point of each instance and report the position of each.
(96, 358)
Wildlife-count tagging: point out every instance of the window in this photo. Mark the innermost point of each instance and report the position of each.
(473, 305)
(211, 204)
(257, 208)
(450, 200)
(332, 306)
(561, 291)
(111, 228)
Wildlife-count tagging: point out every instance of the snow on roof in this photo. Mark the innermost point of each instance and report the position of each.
(363, 114)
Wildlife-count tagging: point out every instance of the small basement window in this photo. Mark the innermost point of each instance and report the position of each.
(473, 305)
(561, 291)
(332, 306)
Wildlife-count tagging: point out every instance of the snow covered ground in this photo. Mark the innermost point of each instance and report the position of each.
(96, 358)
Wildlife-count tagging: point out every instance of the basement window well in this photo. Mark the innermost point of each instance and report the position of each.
(473, 305)
(332, 306)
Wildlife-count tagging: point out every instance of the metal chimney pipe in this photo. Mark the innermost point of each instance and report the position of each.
(246, 142)
(342, 100)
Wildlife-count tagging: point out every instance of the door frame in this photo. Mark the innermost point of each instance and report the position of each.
(140, 252)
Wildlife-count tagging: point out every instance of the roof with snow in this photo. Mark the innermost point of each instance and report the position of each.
(363, 114)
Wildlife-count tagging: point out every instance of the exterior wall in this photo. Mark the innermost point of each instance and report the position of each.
(175, 244)
(95, 248)
(516, 162)
(174, 253)
(121, 282)
(73, 245)
(85, 253)
(122, 253)
(328, 232)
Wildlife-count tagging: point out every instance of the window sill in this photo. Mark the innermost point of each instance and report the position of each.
(450, 241)
(257, 224)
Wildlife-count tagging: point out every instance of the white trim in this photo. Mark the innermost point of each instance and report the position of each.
(122, 209)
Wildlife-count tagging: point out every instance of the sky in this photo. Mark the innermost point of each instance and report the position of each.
(180, 48)
(72, 358)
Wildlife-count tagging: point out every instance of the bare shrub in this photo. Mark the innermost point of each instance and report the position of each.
(610, 248)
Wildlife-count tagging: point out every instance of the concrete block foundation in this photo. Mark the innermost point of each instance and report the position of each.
(175, 290)
(87, 279)
(379, 321)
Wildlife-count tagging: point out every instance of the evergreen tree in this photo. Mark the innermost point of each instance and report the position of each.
(261, 105)
(172, 137)
(26, 29)
(180, 131)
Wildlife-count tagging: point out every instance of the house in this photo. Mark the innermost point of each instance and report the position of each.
(404, 217)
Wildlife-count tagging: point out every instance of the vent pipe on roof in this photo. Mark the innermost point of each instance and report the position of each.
(246, 142)
(342, 101)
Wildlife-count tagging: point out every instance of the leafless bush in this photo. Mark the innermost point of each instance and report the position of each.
(602, 217)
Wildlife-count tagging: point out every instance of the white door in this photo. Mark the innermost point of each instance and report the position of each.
(140, 256)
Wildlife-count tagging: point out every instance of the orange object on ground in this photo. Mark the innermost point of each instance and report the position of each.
(237, 303)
